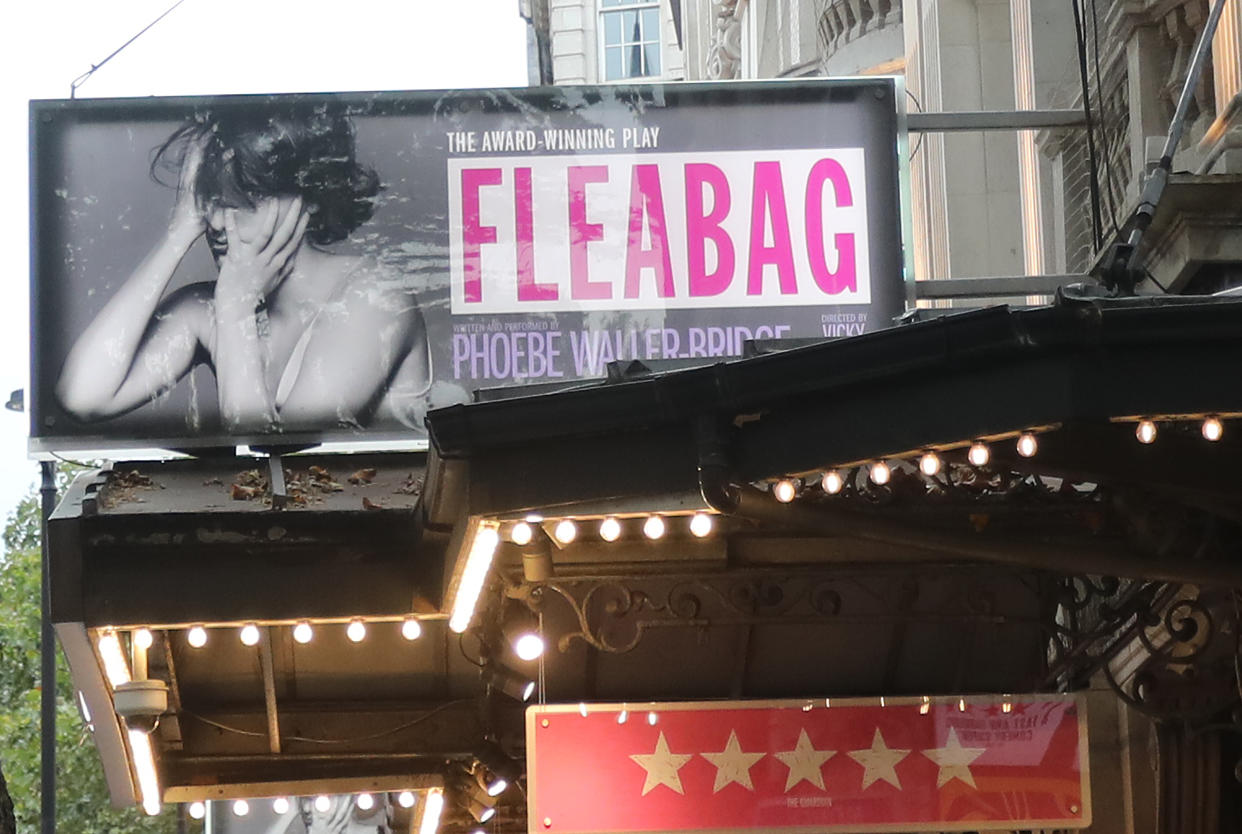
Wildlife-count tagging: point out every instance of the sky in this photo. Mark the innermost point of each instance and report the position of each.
(206, 47)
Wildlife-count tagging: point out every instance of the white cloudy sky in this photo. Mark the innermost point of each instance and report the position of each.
(206, 47)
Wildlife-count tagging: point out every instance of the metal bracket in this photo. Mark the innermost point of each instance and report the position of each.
(276, 476)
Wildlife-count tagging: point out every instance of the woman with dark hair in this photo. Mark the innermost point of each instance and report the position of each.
(300, 337)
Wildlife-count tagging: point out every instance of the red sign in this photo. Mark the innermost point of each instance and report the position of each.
(943, 764)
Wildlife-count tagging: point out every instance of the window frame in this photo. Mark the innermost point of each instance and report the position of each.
(602, 12)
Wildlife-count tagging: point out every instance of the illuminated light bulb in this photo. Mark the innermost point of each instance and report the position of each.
(565, 531)
(144, 766)
(302, 632)
(478, 562)
(1027, 444)
(925, 707)
(528, 646)
(808, 706)
(1212, 429)
(1007, 707)
(322, 804)
(701, 525)
(785, 491)
(250, 634)
(961, 704)
(280, 805)
(522, 534)
(113, 658)
(827, 703)
(356, 631)
(882, 701)
(832, 482)
(241, 807)
(610, 529)
(1145, 431)
(196, 637)
(582, 709)
(880, 473)
(979, 454)
(652, 718)
(623, 716)
(143, 638)
(411, 628)
(432, 808)
(528, 690)
(929, 464)
(197, 810)
(406, 799)
(653, 527)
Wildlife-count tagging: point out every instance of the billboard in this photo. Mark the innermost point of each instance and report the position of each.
(310, 268)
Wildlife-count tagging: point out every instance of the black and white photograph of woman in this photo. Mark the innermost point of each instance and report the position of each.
(300, 337)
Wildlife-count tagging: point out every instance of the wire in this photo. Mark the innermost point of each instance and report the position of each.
(84, 77)
(83, 464)
(919, 106)
(1099, 99)
(309, 740)
(1080, 38)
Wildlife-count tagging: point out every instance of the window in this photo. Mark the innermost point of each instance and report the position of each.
(631, 38)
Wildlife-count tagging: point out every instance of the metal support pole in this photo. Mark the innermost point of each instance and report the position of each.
(47, 647)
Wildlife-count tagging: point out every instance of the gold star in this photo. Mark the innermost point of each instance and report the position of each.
(805, 763)
(954, 760)
(879, 762)
(662, 766)
(732, 765)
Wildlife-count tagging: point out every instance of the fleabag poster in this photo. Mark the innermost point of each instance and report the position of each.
(281, 269)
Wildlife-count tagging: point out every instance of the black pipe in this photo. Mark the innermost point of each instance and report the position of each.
(47, 648)
(1103, 558)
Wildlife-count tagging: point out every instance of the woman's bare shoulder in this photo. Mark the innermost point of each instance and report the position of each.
(368, 281)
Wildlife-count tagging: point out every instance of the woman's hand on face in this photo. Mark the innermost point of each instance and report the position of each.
(261, 247)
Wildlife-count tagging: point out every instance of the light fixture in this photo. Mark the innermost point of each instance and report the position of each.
(144, 639)
(280, 805)
(113, 658)
(832, 482)
(654, 527)
(1027, 444)
(197, 810)
(470, 585)
(582, 709)
(302, 632)
(241, 807)
(961, 704)
(432, 808)
(565, 531)
(929, 464)
(512, 684)
(498, 762)
(364, 801)
(784, 491)
(979, 453)
(411, 628)
(492, 784)
(925, 707)
(144, 766)
(323, 804)
(356, 631)
(522, 534)
(406, 799)
(1145, 431)
(652, 718)
(196, 636)
(701, 525)
(1007, 706)
(520, 627)
(480, 812)
(1212, 428)
(610, 529)
(250, 634)
(880, 473)
(623, 716)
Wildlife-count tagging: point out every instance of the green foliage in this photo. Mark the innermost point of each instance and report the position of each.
(82, 803)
